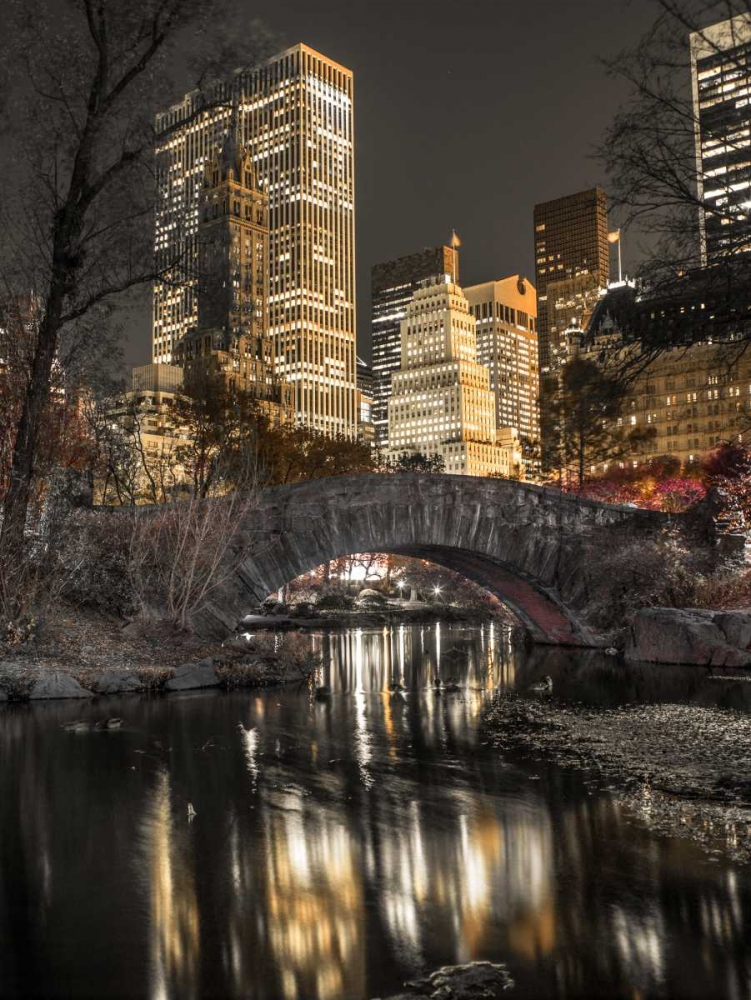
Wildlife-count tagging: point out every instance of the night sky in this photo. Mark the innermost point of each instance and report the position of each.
(466, 114)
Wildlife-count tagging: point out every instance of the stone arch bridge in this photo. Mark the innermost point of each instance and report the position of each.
(534, 548)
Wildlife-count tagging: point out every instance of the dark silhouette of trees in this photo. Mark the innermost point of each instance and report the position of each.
(416, 462)
(649, 152)
(586, 407)
(83, 79)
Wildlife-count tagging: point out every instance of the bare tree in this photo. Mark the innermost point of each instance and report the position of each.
(84, 80)
(650, 152)
(181, 554)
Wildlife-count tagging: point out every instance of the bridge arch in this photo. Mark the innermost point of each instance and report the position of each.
(530, 546)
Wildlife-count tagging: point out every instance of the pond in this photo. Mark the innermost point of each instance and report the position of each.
(345, 844)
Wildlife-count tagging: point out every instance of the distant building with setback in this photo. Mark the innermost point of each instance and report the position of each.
(441, 401)
(721, 83)
(393, 284)
(505, 313)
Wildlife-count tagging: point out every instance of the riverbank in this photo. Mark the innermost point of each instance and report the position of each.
(80, 652)
(684, 769)
(372, 617)
(105, 655)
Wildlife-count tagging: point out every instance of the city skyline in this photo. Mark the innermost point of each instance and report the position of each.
(410, 193)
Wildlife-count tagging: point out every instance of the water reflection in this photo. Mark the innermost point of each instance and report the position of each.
(342, 846)
(167, 878)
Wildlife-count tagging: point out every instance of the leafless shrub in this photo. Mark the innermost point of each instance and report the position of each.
(662, 572)
(180, 554)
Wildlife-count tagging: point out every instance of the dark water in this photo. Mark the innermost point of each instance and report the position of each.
(343, 846)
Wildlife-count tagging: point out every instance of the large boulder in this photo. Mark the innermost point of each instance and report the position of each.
(57, 685)
(193, 675)
(116, 682)
(687, 635)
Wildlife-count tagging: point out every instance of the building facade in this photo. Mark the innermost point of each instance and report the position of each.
(231, 338)
(393, 284)
(505, 315)
(144, 417)
(294, 115)
(721, 82)
(571, 245)
(691, 398)
(365, 382)
(441, 401)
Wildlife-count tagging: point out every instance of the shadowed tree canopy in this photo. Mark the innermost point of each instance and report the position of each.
(585, 408)
(650, 153)
(83, 79)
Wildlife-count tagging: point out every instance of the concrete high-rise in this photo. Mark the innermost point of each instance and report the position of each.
(294, 114)
(505, 313)
(393, 284)
(572, 263)
(231, 338)
(721, 84)
(441, 401)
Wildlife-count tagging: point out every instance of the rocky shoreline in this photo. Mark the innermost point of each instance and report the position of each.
(83, 654)
(78, 653)
(684, 769)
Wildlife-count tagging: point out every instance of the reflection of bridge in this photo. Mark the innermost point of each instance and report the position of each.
(528, 545)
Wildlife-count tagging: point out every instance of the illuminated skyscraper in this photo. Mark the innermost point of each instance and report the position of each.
(294, 114)
(505, 313)
(441, 401)
(721, 82)
(231, 337)
(571, 242)
(393, 284)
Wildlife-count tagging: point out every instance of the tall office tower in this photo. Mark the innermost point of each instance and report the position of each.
(233, 245)
(441, 401)
(721, 82)
(393, 284)
(505, 315)
(294, 114)
(571, 242)
(231, 338)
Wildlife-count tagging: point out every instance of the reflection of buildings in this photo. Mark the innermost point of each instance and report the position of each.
(441, 401)
(314, 902)
(174, 925)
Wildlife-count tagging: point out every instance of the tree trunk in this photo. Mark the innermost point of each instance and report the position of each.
(16, 504)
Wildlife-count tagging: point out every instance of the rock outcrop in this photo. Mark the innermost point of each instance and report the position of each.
(57, 685)
(193, 675)
(691, 635)
(116, 682)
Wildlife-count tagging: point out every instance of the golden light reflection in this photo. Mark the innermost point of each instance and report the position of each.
(174, 924)
(314, 913)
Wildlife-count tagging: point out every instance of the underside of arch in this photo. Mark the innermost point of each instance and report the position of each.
(546, 619)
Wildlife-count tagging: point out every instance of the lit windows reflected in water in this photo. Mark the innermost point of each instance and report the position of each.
(345, 844)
